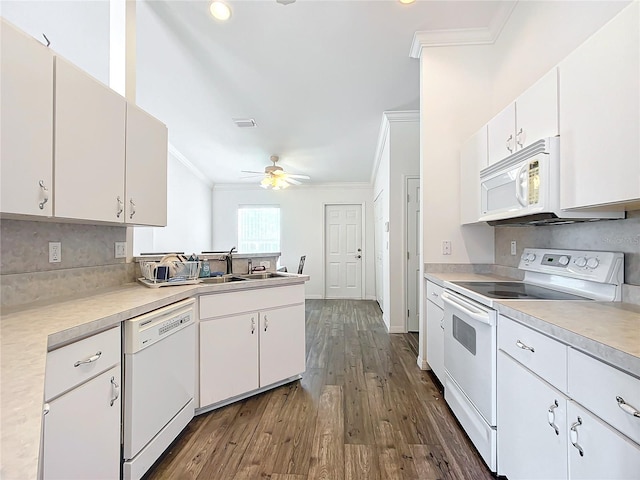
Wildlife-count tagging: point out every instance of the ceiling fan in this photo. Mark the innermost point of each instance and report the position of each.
(275, 177)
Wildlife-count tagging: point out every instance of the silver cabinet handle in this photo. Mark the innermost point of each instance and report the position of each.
(442, 323)
(45, 192)
(253, 325)
(626, 408)
(266, 323)
(551, 417)
(116, 389)
(509, 147)
(46, 409)
(120, 206)
(524, 347)
(91, 359)
(574, 436)
(133, 208)
(520, 137)
(434, 294)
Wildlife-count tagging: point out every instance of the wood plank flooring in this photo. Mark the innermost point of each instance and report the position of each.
(363, 410)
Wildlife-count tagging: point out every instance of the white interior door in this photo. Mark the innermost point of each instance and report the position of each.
(379, 238)
(343, 251)
(413, 254)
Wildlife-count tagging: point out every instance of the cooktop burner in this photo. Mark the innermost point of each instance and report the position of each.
(517, 290)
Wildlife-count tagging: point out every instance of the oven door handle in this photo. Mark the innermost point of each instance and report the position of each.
(466, 307)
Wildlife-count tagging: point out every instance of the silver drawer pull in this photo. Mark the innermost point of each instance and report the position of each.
(434, 294)
(91, 359)
(574, 436)
(253, 325)
(116, 389)
(551, 417)
(627, 408)
(45, 192)
(524, 347)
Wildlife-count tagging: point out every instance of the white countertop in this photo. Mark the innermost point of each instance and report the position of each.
(28, 333)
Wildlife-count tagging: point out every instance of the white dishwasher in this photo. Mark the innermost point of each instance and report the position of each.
(159, 382)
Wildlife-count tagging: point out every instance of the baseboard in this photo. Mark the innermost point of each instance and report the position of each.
(314, 296)
(371, 297)
(423, 364)
(396, 330)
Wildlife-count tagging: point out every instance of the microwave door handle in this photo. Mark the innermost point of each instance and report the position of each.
(465, 307)
(519, 187)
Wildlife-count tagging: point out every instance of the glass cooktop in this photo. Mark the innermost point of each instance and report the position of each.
(516, 291)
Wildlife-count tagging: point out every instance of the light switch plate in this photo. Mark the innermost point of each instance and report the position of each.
(513, 247)
(121, 250)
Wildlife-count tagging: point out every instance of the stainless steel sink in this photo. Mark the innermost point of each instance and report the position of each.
(223, 279)
(261, 275)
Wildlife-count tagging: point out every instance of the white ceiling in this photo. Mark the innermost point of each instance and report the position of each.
(315, 75)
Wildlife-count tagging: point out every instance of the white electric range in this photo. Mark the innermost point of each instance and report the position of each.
(470, 323)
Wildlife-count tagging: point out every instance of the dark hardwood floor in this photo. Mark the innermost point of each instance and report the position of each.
(363, 410)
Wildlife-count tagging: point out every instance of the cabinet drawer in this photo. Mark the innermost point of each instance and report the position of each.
(597, 386)
(434, 293)
(64, 370)
(542, 355)
(232, 303)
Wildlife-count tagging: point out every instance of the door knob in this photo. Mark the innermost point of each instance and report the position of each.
(358, 256)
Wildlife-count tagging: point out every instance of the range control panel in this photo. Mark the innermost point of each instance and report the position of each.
(596, 266)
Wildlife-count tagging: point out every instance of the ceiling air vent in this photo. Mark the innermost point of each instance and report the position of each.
(244, 122)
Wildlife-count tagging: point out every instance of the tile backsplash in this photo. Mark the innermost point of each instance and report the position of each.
(87, 262)
(607, 235)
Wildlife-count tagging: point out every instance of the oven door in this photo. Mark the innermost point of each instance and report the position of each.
(470, 351)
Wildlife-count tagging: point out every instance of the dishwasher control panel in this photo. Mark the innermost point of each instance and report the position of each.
(147, 329)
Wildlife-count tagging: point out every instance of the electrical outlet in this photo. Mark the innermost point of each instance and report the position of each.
(513, 247)
(446, 247)
(121, 249)
(265, 264)
(55, 252)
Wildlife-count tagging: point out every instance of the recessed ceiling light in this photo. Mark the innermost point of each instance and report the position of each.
(220, 10)
(406, 2)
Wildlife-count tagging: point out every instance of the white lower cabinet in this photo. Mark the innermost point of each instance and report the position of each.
(228, 357)
(435, 339)
(82, 431)
(528, 409)
(605, 452)
(242, 351)
(544, 433)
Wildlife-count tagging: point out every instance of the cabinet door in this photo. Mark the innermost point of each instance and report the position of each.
(473, 158)
(228, 357)
(606, 453)
(146, 169)
(435, 339)
(501, 134)
(82, 431)
(537, 111)
(89, 147)
(26, 123)
(282, 344)
(528, 445)
(600, 118)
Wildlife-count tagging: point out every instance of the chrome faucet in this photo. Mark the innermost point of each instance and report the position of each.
(229, 261)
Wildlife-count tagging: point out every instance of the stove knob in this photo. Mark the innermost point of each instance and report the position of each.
(580, 261)
(563, 260)
(593, 262)
(531, 257)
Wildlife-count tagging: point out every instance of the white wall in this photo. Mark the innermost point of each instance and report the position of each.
(189, 214)
(381, 187)
(302, 224)
(78, 30)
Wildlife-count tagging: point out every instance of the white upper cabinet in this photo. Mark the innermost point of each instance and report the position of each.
(26, 124)
(534, 115)
(473, 158)
(89, 147)
(600, 116)
(146, 169)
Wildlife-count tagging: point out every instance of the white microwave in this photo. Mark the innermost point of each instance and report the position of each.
(524, 189)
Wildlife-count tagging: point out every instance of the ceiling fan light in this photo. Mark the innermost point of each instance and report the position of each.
(220, 10)
(406, 2)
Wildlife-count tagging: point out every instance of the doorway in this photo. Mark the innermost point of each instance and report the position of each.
(343, 251)
(413, 254)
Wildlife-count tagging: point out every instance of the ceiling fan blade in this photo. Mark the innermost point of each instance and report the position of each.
(249, 171)
(302, 177)
(293, 181)
(253, 176)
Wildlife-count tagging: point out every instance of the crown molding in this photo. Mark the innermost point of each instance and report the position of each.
(253, 186)
(173, 151)
(388, 118)
(463, 36)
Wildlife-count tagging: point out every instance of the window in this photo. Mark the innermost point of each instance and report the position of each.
(258, 228)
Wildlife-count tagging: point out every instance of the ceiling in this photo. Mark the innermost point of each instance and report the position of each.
(315, 75)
